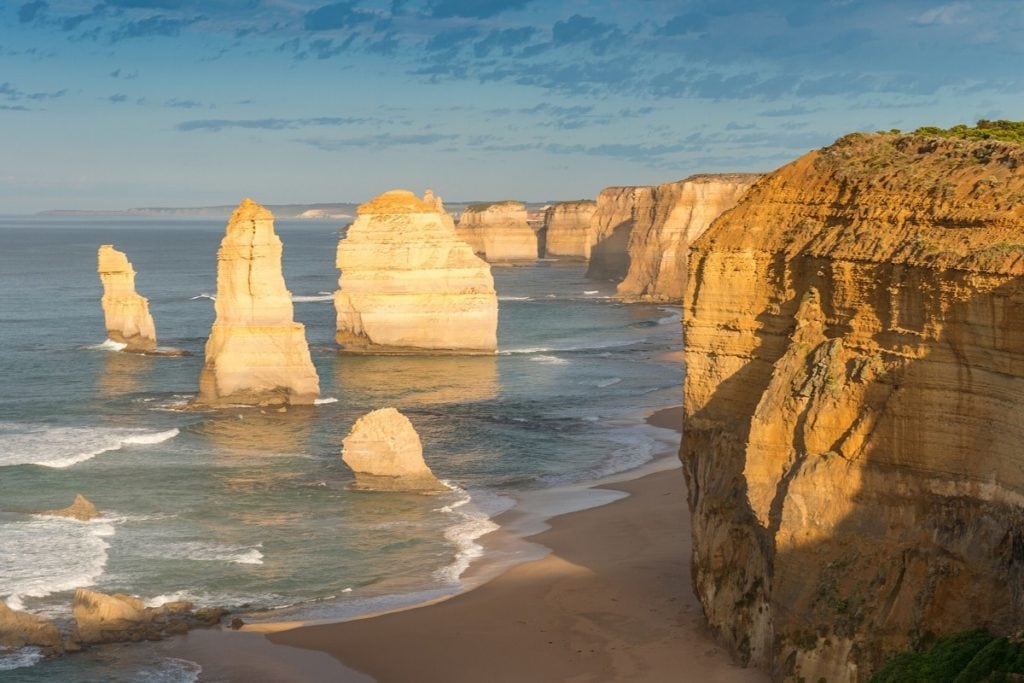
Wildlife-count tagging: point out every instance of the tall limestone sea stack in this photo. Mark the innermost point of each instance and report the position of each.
(854, 386)
(618, 210)
(568, 228)
(499, 231)
(659, 241)
(256, 353)
(125, 312)
(409, 284)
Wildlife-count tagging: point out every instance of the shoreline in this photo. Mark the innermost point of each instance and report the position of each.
(608, 599)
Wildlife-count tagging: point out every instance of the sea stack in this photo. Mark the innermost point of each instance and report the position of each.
(499, 231)
(618, 210)
(568, 228)
(385, 453)
(256, 354)
(126, 313)
(659, 241)
(853, 394)
(409, 284)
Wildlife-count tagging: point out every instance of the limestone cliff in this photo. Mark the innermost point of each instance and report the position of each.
(568, 228)
(660, 238)
(618, 210)
(408, 284)
(498, 231)
(385, 453)
(256, 353)
(855, 373)
(125, 312)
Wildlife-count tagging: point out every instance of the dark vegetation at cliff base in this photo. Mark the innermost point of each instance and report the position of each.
(1007, 131)
(968, 657)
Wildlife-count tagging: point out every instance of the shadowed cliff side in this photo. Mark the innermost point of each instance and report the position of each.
(855, 365)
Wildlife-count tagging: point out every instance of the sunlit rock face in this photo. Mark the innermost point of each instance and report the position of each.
(568, 228)
(618, 210)
(855, 380)
(126, 313)
(499, 231)
(256, 354)
(384, 452)
(659, 241)
(409, 284)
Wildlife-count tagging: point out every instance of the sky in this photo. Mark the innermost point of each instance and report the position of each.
(111, 104)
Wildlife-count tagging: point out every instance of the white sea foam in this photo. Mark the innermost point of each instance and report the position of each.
(515, 298)
(169, 670)
(204, 295)
(109, 345)
(19, 659)
(471, 523)
(591, 291)
(308, 298)
(324, 401)
(674, 316)
(206, 551)
(74, 554)
(608, 382)
(570, 347)
(550, 360)
(60, 447)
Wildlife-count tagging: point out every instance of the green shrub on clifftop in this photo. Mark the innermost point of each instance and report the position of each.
(1008, 131)
(968, 657)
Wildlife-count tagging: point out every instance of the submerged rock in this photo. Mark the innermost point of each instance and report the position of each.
(21, 629)
(81, 509)
(385, 453)
(117, 618)
(126, 313)
(409, 284)
(256, 354)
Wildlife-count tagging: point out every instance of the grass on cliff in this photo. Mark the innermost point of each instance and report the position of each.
(1007, 131)
(483, 206)
(968, 657)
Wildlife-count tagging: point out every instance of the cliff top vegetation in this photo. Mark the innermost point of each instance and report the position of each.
(483, 206)
(1007, 131)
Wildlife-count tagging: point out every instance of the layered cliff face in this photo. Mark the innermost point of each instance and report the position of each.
(659, 241)
(855, 373)
(408, 283)
(498, 231)
(568, 228)
(256, 354)
(618, 211)
(125, 312)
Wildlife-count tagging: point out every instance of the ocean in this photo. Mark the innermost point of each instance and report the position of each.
(250, 509)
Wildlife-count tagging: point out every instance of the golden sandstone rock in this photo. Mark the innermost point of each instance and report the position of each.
(855, 373)
(498, 231)
(568, 228)
(125, 312)
(256, 354)
(385, 453)
(408, 284)
(659, 240)
(81, 509)
(21, 629)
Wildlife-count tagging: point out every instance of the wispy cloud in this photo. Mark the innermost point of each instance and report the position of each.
(217, 125)
(378, 141)
(10, 93)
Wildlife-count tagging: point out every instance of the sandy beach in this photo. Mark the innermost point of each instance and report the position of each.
(611, 602)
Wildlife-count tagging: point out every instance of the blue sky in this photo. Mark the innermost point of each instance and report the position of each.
(122, 103)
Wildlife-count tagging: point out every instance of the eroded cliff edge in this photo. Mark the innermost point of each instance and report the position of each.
(855, 373)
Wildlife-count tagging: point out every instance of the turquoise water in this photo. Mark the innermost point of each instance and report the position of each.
(250, 509)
